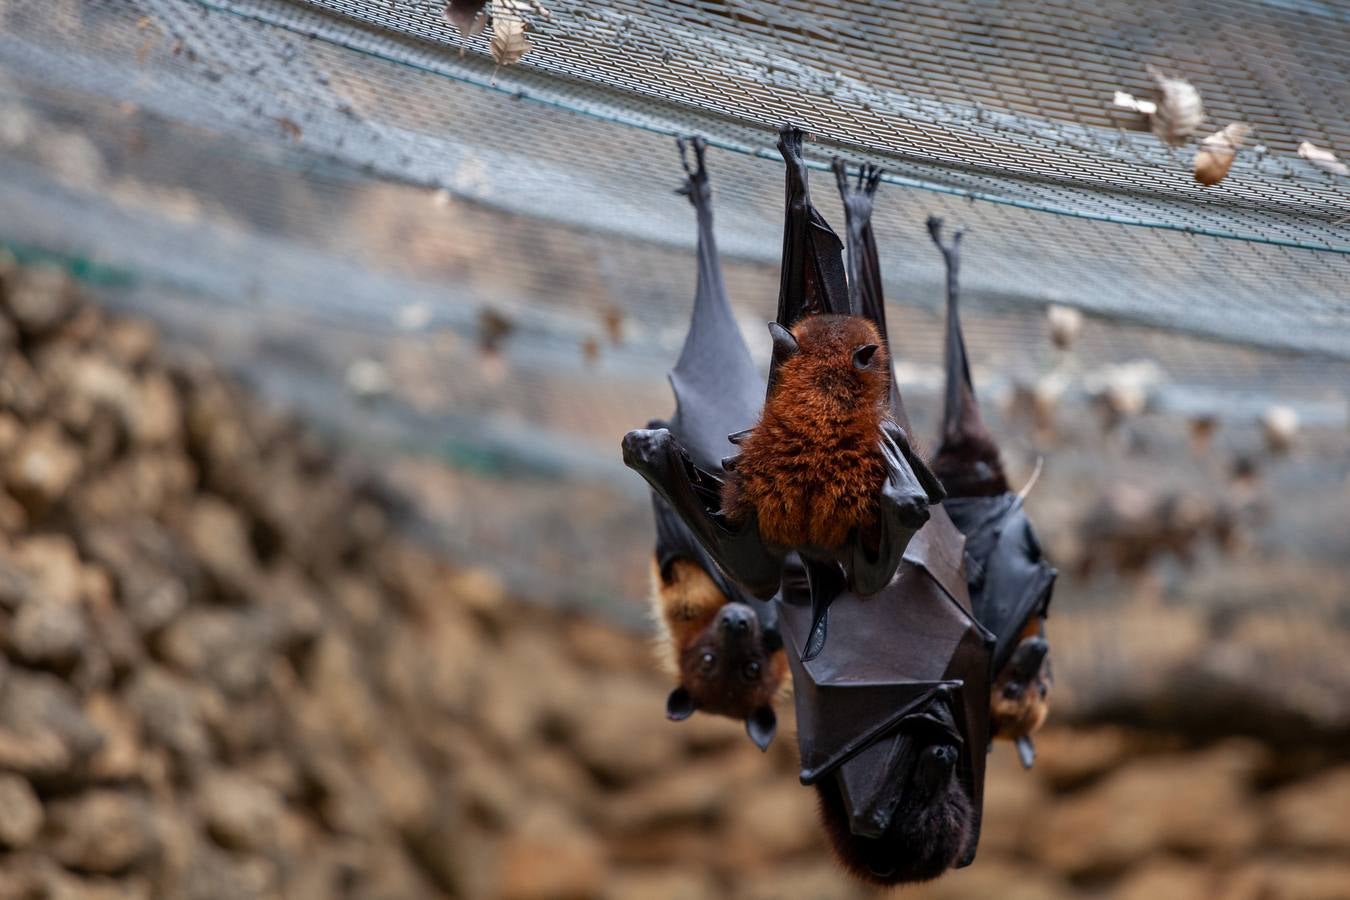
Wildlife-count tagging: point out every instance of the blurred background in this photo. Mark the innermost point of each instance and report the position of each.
(320, 323)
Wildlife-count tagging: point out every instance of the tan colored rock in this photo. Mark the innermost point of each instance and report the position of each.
(991, 877)
(1014, 803)
(44, 735)
(1172, 879)
(219, 539)
(20, 812)
(551, 857)
(119, 759)
(49, 634)
(1192, 803)
(621, 732)
(1069, 757)
(240, 813)
(1291, 879)
(772, 819)
(42, 468)
(1313, 814)
(678, 883)
(101, 831)
(171, 714)
(38, 299)
(802, 881)
(694, 794)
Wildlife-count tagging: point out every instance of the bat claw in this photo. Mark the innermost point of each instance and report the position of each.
(815, 642)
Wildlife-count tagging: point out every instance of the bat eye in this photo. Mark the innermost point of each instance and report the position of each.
(751, 671)
(862, 357)
(706, 661)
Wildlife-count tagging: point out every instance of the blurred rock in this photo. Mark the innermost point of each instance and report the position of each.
(22, 814)
(550, 857)
(38, 299)
(1192, 804)
(102, 831)
(239, 812)
(44, 735)
(1169, 878)
(42, 468)
(171, 714)
(1313, 814)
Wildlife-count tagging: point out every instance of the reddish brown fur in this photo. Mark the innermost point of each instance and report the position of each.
(689, 602)
(1017, 710)
(812, 468)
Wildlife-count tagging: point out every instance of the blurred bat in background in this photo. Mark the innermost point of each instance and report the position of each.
(1010, 581)
(723, 642)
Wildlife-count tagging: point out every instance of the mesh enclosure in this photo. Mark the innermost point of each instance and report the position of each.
(303, 185)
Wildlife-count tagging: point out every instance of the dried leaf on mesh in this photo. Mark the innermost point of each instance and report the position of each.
(1180, 110)
(1322, 158)
(1217, 152)
(510, 19)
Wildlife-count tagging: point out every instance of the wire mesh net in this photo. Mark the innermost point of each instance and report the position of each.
(305, 185)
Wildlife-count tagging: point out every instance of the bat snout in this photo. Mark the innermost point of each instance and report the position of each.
(737, 623)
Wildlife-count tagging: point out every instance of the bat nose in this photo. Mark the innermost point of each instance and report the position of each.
(736, 619)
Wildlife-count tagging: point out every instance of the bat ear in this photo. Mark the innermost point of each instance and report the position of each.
(863, 356)
(784, 344)
(680, 705)
(761, 725)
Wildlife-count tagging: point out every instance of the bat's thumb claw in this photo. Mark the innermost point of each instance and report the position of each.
(816, 641)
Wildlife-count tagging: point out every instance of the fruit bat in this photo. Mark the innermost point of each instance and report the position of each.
(825, 450)
(892, 712)
(1010, 582)
(726, 644)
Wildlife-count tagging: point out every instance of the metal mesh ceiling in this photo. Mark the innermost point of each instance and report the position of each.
(995, 115)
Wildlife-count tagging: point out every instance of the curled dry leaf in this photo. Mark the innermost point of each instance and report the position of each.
(466, 15)
(1180, 110)
(1134, 104)
(509, 23)
(1217, 152)
(1323, 159)
(1065, 324)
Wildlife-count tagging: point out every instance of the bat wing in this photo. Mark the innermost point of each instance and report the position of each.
(1010, 580)
(863, 263)
(718, 390)
(812, 279)
(890, 657)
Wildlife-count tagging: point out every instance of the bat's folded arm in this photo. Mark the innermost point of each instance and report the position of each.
(695, 496)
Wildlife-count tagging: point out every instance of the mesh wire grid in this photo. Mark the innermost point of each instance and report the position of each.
(299, 185)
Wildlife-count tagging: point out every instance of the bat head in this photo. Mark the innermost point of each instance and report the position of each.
(968, 463)
(833, 358)
(920, 830)
(733, 667)
(1020, 699)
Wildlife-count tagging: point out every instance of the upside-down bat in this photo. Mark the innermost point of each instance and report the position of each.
(827, 474)
(723, 643)
(892, 713)
(1010, 581)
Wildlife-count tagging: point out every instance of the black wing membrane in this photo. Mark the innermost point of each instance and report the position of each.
(1009, 578)
(717, 391)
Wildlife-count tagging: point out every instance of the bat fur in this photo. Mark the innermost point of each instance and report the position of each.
(811, 469)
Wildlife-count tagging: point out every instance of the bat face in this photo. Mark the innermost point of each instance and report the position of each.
(729, 663)
(729, 668)
(839, 363)
(1020, 699)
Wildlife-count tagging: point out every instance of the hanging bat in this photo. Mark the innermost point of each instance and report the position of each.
(725, 644)
(826, 472)
(1010, 582)
(893, 712)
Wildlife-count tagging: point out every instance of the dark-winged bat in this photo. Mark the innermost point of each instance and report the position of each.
(1010, 581)
(723, 643)
(827, 462)
(892, 713)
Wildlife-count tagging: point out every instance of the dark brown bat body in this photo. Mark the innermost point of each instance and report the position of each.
(811, 470)
(719, 649)
(928, 834)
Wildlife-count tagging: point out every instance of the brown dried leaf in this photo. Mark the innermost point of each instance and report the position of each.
(509, 42)
(1217, 152)
(1323, 159)
(290, 127)
(590, 350)
(613, 318)
(1180, 110)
